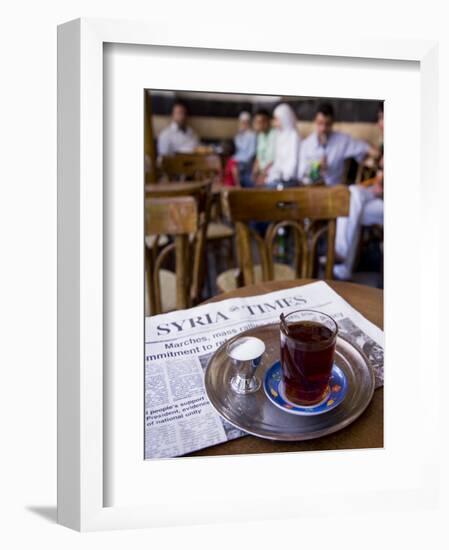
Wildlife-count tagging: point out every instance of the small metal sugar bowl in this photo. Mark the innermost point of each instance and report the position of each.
(246, 354)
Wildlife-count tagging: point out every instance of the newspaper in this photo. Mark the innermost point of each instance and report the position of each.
(178, 416)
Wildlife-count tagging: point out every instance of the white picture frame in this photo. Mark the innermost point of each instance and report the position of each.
(83, 396)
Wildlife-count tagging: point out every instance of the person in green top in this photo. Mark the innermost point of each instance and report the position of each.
(265, 146)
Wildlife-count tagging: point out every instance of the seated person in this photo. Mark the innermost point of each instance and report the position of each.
(323, 154)
(265, 146)
(231, 176)
(245, 143)
(283, 170)
(366, 207)
(178, 137)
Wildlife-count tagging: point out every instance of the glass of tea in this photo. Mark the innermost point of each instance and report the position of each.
(307, 354)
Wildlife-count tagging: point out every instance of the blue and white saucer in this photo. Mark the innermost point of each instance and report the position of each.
(274, 388)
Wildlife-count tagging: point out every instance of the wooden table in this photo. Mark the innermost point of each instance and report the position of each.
(366, 431)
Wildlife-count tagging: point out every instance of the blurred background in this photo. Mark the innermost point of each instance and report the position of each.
(215, 116)
(213, 146)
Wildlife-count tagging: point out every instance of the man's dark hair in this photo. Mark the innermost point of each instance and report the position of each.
(180, 103)
(380, 107)
(228, 147)
(262, 112)
(326, 109)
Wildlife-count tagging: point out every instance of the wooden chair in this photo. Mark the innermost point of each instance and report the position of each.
(198, 166)
(191, 166)
(310, 212)
(178, 218)
(366, 171)
(201, 192)
(369, 233)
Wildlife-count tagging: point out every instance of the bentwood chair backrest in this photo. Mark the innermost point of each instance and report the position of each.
(176, 217)
(310, 212)
(191, 166)
(201, 192)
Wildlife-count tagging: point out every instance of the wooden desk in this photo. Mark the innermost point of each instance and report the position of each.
(366, 432)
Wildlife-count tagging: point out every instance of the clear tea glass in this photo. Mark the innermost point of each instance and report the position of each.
(307, 354)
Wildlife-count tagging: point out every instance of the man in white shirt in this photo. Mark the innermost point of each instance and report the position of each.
(323, 154)
(366, 208)
(178, 137)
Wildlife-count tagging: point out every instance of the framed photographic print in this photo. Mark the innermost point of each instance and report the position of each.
(222, 264)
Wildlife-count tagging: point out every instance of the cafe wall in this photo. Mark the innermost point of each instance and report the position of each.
(214, 116)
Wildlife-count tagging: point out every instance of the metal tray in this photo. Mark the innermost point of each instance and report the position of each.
(256, 415)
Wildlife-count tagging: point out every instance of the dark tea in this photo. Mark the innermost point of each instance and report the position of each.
(307, 355)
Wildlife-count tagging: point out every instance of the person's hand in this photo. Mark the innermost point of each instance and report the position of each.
(374, 152)
(323, 164)
(260, 180)
(378, 186)
(255, 170)
(377, 189)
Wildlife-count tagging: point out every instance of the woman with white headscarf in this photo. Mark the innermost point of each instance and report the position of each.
(284, 169)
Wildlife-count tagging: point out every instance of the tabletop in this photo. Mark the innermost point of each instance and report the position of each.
(367, 431)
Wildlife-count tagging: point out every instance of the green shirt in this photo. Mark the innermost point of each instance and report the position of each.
(265, 148)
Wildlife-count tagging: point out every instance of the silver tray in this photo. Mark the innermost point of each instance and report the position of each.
(255, 413)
